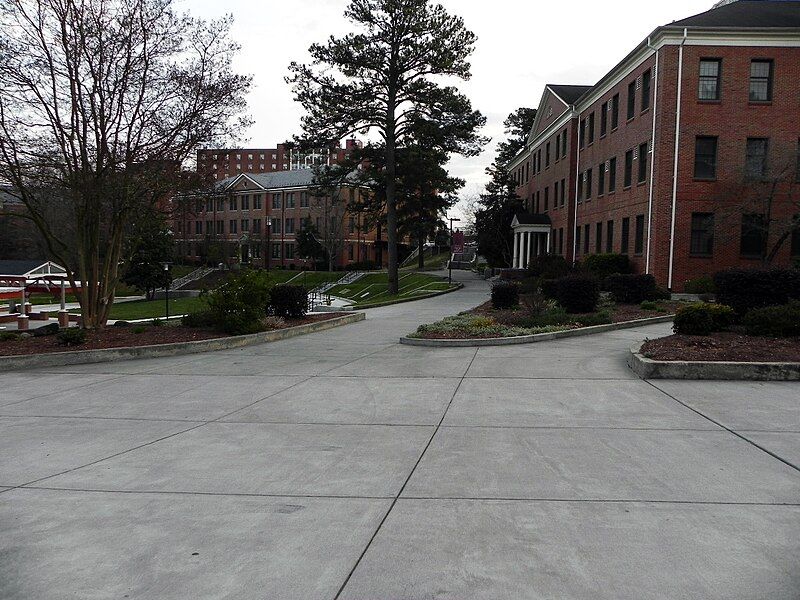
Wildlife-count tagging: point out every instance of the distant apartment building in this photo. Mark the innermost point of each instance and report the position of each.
(222, 163)
(254, 218)
(657, 159)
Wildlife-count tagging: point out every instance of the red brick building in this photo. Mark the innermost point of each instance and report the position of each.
(685, 156)
(255, 218)
(223, 163)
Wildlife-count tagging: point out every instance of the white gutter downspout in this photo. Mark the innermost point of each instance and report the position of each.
(656, 73)
(577, 176)
(675, 168)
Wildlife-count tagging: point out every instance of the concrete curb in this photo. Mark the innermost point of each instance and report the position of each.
(538, 337)
(647, 368)
(81, 357)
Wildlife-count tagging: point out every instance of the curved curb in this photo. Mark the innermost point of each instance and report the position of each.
(647, 368)
(81, 357)
(537, 337)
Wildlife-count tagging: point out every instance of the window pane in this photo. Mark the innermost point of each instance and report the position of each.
(709, 68)
(756, 161)
(761, 80)
(754, 231)
(702, 241)
(705, 158)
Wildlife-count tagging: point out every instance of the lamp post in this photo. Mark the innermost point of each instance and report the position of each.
(450, 262)
(166, 266)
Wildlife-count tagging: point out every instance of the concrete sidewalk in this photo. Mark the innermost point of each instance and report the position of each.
(343, 465)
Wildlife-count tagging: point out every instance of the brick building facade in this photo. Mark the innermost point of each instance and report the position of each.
(255, 218)
(222, 163)
(663, 157)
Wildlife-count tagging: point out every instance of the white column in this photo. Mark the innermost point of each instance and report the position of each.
(547, 242)
(528, 249)
(516, 250)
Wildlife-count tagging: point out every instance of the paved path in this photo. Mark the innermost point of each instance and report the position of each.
(343, 465)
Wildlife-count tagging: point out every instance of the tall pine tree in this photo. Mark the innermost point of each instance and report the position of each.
(383, 78)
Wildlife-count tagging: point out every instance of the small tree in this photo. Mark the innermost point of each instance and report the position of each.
(768, 197)
(382, 79)
(307, 241)
(148, 247)
(327, 188)
(500, 203)
(102, 102)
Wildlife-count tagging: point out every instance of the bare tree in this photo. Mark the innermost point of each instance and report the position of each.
(764, 202)
(328, 186)
(101, 103)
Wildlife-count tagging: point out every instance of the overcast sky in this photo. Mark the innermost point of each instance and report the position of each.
(522, 45)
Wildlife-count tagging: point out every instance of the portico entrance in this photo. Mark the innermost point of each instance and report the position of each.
(531, 237)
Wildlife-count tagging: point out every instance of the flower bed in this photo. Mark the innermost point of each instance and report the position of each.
(724, 346)
(134, 336)
(485, 322)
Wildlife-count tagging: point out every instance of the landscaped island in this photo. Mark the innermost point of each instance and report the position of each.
(554, 296)
(756, 319)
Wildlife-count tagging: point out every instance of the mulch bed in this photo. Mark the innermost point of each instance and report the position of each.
(118, 337)
(723, 346)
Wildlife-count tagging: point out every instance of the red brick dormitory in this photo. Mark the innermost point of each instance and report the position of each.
(653, 161)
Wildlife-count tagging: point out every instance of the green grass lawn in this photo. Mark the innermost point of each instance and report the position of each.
(373, 288)
(151, 309)
(432, 261)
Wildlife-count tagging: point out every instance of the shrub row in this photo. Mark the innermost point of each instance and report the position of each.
(240, 305)
(701, 318)
(746, 289)
(774, 321)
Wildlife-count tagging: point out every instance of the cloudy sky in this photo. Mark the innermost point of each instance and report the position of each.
(522, 45)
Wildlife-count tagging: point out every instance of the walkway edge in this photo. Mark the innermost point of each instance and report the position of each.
(647, 368)
(532, 339)
(80, 357)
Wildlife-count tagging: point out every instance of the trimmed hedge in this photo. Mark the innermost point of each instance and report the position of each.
(549, 266)
(746, 289)
(577, 293)
(603, 265)
(631, 289)
(505, 294)
(774, 321)
(700, 285)
(72, 336)
(701, 318)
(549, 288)
(289, 301)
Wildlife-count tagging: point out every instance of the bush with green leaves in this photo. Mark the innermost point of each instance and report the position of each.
(631, 289)
(577, 293)
(702, 318)
(505, 294)
(289, 301)
(603, 265)
(774, 321)
(201, 318)
(746, 289)
(700, 285)
(72, 336)
(239, 305)
(549, 266)
(8, 336)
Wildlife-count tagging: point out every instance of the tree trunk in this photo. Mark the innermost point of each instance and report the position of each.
(391, 201)
(421, 249)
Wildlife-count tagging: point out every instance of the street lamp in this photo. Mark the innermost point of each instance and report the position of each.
(450, 262)
(166, 266)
